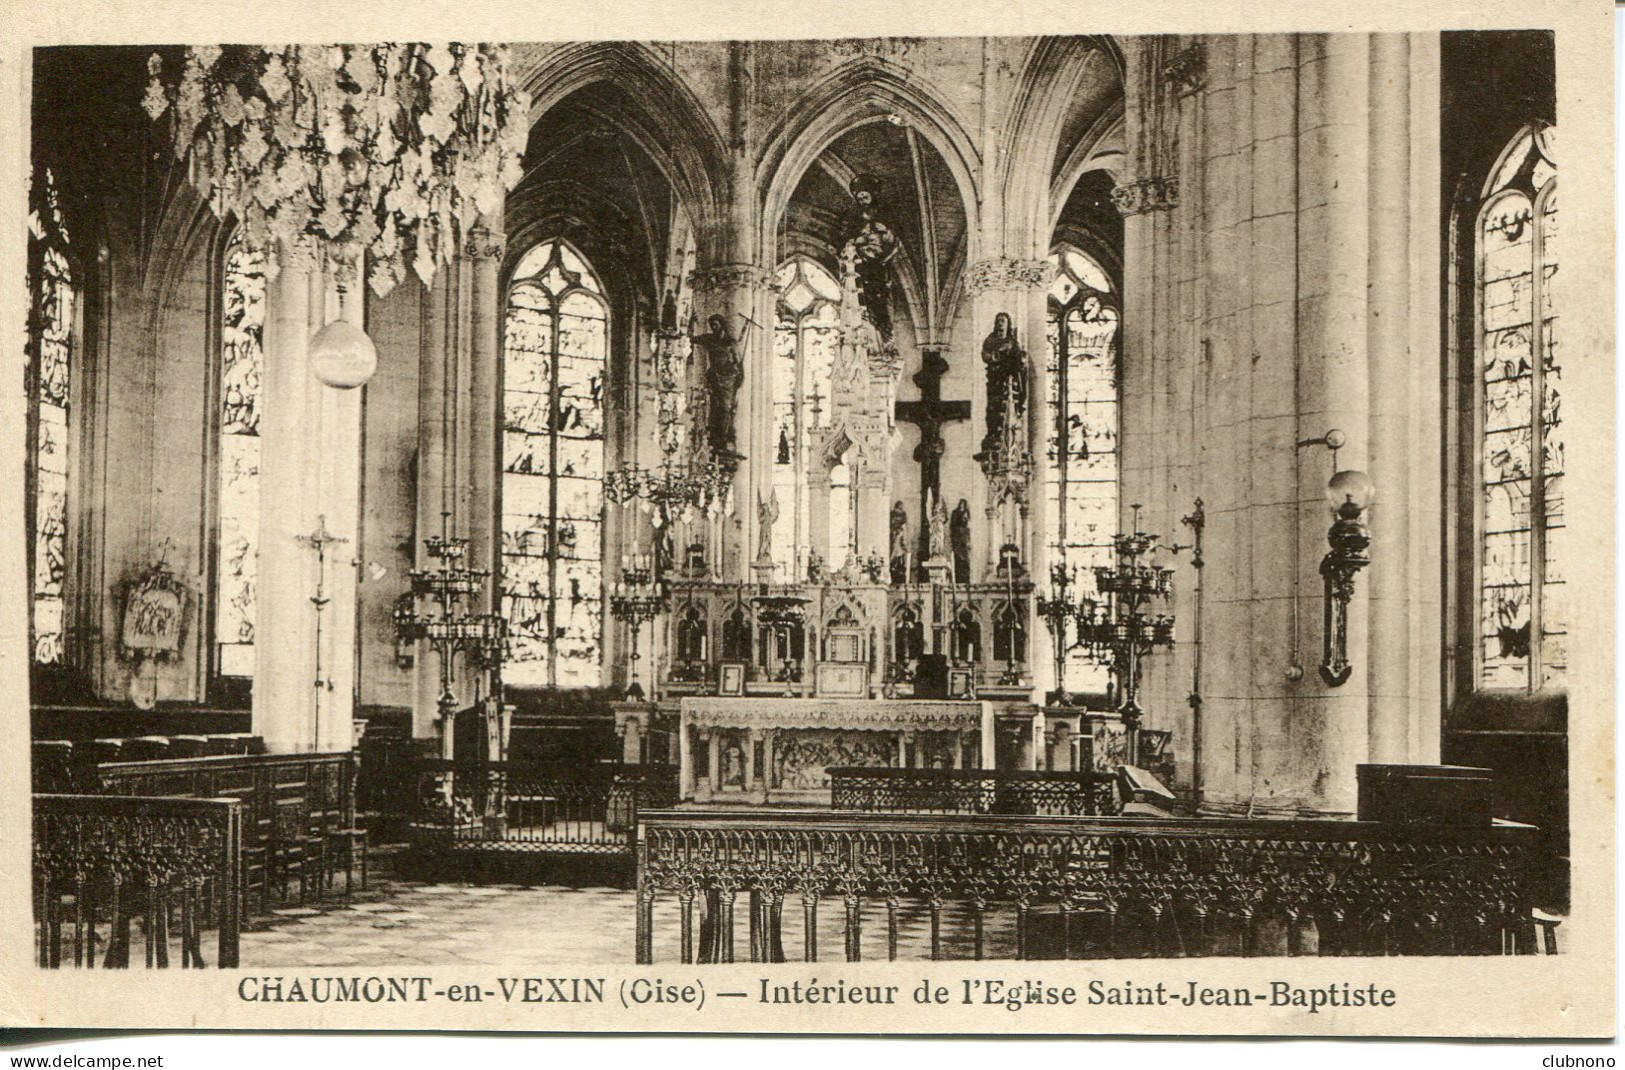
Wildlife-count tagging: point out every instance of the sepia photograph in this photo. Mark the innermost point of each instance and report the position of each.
(769, 508)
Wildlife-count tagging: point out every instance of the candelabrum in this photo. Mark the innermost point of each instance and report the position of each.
(1056, 609)
(448, 626)
(1121, 630)
(636, 599)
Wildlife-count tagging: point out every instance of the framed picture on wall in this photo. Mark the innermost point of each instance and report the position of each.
(731, 678)
(959, 683)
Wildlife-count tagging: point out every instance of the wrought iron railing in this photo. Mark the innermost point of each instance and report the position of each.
(532, 806)
(107, 865)
(1031, 887)
(875, 789)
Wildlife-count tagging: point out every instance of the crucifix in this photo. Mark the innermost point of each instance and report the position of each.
(319, 540)
(929, 413)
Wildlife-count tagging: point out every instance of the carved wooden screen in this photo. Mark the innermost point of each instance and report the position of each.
(1522, 623)
(555, 349)
(1080, 471)
(49, 372)
(242, 337)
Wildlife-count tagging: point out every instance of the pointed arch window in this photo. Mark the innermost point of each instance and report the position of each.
(241, 364)
(1522, 620)
(555, 351)
(806, 336)
(50, 370)
(1081, 470)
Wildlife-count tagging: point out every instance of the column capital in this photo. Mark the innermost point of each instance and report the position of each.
(1159, 193)
(1007, 273)
(482, 243)
(1186, 72)
(730, 277)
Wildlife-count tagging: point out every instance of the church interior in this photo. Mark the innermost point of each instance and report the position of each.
(908, 497)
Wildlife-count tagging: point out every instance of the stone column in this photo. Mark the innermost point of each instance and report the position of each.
(483, 251)
(818, 520)
(310, 440)
(1016, 286)
(874, 511)
(1315, 295)
(436, 381)
(742, 294)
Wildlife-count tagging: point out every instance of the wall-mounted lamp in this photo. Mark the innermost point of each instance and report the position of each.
(1350, 492)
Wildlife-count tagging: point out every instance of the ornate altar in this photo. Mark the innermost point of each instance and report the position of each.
(779, 750)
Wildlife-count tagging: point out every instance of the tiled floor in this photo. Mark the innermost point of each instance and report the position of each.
(400, 921)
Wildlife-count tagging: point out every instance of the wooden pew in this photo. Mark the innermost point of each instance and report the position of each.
(299, 816)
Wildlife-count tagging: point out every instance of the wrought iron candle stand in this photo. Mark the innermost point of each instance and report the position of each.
(1122, 631)
(1055, 609)
(449, 627)
(636, 599)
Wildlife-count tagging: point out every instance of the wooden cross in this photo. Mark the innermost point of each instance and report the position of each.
(930, 413)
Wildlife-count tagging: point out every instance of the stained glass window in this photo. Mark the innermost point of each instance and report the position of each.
(1522, 618)
(48, 375)
(806, 336)
(555, 349)
(242, 338)
(1080, 471)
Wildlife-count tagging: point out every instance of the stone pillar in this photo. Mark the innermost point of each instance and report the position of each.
(459, 438)
(742, 294)
(310, 442)
(818, 519)
(1312, 288)
(1016, 286)
(435, 419)
(874, 512)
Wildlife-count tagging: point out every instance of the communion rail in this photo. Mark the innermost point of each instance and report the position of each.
(537, 807)
(106, 863)
(1080, 888)
(973, 791)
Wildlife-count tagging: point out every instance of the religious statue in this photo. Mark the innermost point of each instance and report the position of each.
(816, 572)
(899, 543)
(767, 512)
(665, 547)
(724, 374)
(938, 544)
(1006, 365)
(874, 246)
(959, 541)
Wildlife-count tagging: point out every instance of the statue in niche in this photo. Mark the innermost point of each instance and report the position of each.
(874, 246)
(767, 513)
(816, 572)
(959, 541)
(1006, 365)
(938, 544)
(899, 543)
(665, 548)
(724, 374)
